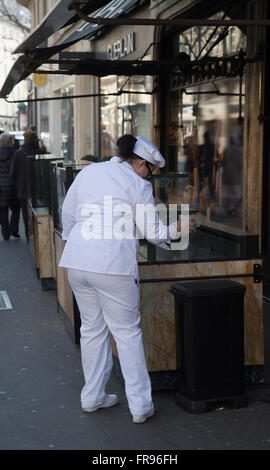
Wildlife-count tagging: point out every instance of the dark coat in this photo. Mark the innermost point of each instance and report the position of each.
(8, 193)
(19, 173)
(31, 149)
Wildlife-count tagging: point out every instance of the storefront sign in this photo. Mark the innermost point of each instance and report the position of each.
(122, 47)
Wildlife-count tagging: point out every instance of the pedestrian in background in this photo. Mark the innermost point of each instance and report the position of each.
(19, 173)
(31, 144)
(8, 192)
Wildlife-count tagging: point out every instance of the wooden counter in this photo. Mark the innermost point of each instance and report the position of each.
(41, 245)
(66, 302)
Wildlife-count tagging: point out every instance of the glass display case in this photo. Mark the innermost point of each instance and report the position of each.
(203, 145)
(174, 188)
(62, 175)
(212, 239)
(38, 179)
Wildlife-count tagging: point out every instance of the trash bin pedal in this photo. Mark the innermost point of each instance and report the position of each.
(202, 406)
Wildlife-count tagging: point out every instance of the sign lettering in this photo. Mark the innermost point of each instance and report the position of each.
(121, 47)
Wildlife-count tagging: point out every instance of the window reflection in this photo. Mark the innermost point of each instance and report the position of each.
(214, 41)
(205, 128)
(67, 124)
(108, 115)
(126, 113)
(44, 124)
(206, 141)
(204, 135)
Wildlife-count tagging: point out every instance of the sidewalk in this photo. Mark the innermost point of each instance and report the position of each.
(41, 379)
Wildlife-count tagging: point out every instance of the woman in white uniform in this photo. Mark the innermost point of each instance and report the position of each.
(101, 261)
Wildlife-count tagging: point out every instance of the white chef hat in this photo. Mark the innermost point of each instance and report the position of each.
(148, 151)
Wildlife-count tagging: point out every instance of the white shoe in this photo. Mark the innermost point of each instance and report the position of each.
(110, 400)
(142, 418)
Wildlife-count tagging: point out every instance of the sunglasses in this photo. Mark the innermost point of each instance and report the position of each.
(150, 174)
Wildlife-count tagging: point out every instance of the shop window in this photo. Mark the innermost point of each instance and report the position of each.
(134, 109)
(127, 113)
(211, 40)
(206, 142)
(108, 115)
(204, 135)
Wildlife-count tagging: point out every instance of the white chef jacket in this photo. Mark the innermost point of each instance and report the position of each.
(91, 244)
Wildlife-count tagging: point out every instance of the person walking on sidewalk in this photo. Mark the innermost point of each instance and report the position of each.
(31, 144)
(103, 270)
(19, 172)
(8, 194)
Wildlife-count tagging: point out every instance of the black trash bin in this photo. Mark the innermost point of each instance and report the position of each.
(209, 322)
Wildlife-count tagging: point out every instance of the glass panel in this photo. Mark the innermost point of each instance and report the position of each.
(206, 145)
(39, 179)
(207, 142)
(67, 124)
(128, 113)
(60, 177)
(77, 168)
(142, 252)
(46, 161)
(211, 40)
(108, 115)
(44, 124)
(53, 209)
(205, 151)
(35, 181)
(173, 188)
(135, 108)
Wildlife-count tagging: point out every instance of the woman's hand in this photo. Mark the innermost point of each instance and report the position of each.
(192, 225)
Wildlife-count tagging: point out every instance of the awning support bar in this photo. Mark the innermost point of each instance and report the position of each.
(92, 95)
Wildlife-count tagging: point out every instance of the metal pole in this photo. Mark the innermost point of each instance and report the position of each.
(53, 98)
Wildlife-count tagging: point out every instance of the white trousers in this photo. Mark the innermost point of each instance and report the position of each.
(110, 303)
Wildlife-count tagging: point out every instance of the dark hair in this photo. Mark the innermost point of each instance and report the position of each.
(30, 137)
(125, 146)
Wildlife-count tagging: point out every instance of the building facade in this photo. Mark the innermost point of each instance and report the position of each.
(207, 112)
(12, 116)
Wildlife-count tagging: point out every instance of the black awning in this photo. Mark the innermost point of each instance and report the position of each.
(183, 73)
(77, 63)
(70, 63)
(114, 9)
(59, 17)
